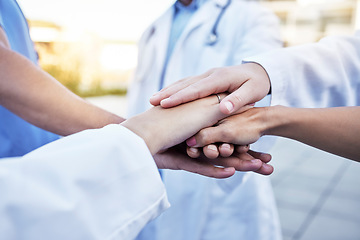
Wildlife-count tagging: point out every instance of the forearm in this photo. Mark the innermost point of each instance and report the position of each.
(163, 128)
(38, 98)
(334, 130)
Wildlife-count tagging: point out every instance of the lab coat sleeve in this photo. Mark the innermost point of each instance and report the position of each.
(323, 74)
(261, 33)
(97, 184)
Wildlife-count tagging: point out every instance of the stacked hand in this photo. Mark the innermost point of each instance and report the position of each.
(240, 129)
(246, 84)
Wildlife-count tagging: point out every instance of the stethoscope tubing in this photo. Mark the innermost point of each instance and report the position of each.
(213, 37)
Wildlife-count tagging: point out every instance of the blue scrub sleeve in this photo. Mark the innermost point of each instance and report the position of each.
(1, 14)
(1, 20)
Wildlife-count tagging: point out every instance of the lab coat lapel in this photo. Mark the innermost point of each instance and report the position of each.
(162, 28)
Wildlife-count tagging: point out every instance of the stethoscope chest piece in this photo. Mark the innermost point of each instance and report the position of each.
(213, 36)
(212, 39)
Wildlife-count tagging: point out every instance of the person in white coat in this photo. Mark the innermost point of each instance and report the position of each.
(98, 184)
(102, 183)
(323, 77)
(189, 38)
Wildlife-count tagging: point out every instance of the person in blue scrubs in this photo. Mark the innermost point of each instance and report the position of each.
(23, 84)
(18, 137)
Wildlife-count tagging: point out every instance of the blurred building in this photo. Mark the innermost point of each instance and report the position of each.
(85, 60)
(305, 21)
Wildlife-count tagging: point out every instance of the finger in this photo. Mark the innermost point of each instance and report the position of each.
(178, 85)
(265, 169)
(196, 88)
(264, 157)
(176, 159)
(248, 93)
(245, 165)
(192, 92)
(175, 87)
(242, 148)
(245, 162)
(243, 109)
(208, 136)
(211, 151)
(206, 169)
(226, 149)
(241, 162)
(193, 152)
(169, 90)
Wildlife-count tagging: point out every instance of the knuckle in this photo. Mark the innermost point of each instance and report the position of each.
(203, 137)
(213, 70)
(226, 135)
(193, 90)
(238, 99)
(218, 72)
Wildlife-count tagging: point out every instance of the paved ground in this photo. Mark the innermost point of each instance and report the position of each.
(318, 194)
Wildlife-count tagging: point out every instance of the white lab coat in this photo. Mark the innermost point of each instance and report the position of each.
(244, 30)
(323, 74)
(97, 184)
(241, 207)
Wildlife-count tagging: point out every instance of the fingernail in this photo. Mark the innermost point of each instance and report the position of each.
(194, 150)
(154, 96)
(229, 106)
(229, 169)
(164, 101)
(191, 142)
(225, 145)
(266, 166)
(212, 147)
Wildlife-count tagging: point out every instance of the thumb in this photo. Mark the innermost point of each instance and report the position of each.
(248, 93)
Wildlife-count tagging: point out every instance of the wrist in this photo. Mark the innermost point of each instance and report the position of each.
(277, 119)
(260, 73)
(143, 129)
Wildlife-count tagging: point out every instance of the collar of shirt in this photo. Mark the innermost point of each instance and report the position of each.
(193, 6)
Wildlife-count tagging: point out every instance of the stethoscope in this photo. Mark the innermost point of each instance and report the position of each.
(213, 36)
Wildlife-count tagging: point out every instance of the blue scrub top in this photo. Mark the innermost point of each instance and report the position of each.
(18, 137)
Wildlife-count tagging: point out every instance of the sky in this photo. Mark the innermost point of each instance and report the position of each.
(111, 19)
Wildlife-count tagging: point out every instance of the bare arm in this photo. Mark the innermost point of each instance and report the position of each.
(35, 96)
(335, 130)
